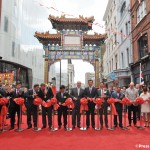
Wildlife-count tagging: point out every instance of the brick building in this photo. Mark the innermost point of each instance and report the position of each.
(140, 24)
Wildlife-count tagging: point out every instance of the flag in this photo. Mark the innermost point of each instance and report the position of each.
(141, 76)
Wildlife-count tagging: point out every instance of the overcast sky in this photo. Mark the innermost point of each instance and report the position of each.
(86, 8)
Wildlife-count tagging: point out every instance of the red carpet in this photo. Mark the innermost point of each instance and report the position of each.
(75, 140)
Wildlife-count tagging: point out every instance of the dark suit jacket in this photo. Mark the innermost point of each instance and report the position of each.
(29, 98)
(46, 97)
(2, 93)
(120, 97)
(106, 93)
(15, 95)
(74, 93)
(62, 99)
(93, 94)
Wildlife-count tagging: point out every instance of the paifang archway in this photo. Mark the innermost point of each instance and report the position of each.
(72, 42)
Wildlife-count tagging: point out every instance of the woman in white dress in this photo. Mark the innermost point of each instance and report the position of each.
(145, 108)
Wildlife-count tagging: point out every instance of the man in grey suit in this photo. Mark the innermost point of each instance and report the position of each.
(103, 93)
(76, 94)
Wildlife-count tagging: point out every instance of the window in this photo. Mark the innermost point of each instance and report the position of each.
(116, 60)
(115, 36)
(6, 24)
(122, 58)
(121, 36)
(112, 64)
(128, 57)
(127, 28)
(143, 46)
(141, 11)
(13, 49)
(123, 9)
(108, 67)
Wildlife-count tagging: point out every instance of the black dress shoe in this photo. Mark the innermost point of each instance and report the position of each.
(121, 127)
(93, 127)
(115, 126)
(35, 128)
(11, 128)
(65, 128)
(78, 126)
(129, 125)
(73, 127)
(29, 127)
(107, 126)
(87, 127)
(59, 127)
(101, 127)
(43, 127)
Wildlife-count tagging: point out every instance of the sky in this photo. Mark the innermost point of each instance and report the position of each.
(86, 8)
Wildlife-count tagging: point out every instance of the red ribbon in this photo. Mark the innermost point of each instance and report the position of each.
(98, 102)
(46, 104)
(84, 104)
(19, 101)
(139, 100)
(3, 113)
(125, 101)
(37, 101)
(54, 90)
(91, 99)
(111, 101)
(54, 103)
(69, 103)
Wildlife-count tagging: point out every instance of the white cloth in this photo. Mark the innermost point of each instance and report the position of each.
(145, 108)
(78, 90)
(90, 89)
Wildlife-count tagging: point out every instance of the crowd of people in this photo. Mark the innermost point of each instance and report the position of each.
(76, 94)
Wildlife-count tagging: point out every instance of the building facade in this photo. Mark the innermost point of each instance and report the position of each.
(116, 58)
(18, 47)
(89, 76)
(140, 14)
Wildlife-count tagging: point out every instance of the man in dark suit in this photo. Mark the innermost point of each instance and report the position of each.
(90, 92)
(46, 94)
(29, 96)
(15, 108)
(103, 93)
(61, 98)
(76, 94)
(119, 96)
